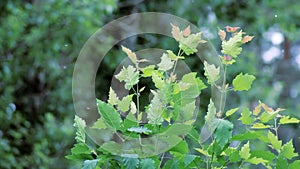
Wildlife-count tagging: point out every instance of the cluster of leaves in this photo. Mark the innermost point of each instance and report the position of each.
(168, 117)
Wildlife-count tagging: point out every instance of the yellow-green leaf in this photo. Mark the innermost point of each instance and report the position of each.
(245, 151)
(243, 82)
(288, 120)
(212, 72)
(260, 126)
(231, 111)
(274, 141)
(287, 150)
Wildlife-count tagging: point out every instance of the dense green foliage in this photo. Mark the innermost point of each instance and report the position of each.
(155, 137)
(40, 41)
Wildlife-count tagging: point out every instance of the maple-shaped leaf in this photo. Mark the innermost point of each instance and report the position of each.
(276, 144)
(129, 75)
(190, 43)
(155, 110)
(223, 132)
(130, 163)
(287, 150)
(166, 63)
(246, 116)
(232, 47)
(157, 80)
(147, 71)
(245, 151)
(124, 104)
(242, 82)
(130, 54)
(212, 72)
(79, 125)
(112, 97)
(176, 33)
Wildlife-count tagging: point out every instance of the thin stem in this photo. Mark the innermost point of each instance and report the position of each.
(275, 128)
(137, 102)
(179, 53)
(223, 92)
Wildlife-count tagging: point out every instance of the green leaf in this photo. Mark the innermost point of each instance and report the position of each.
(90, 164)
(260, 126)
(80, 148)
(281, 163)
(250, 135)
(288, 120)
(287, 150)
(147, 163)
(99, 124)
(190, 43)
(155, 110)
(196, 85)
(274, 141)
(266, 155)
(245, 151)
(232, 46)
(124, 104)
(177, 129)
(131, 163)
(129, 75)
(204, 152)
(212, 72)
(110, 116)
(256, 160)
(243, 82)
(112, 97)
(246, 116)
(158, 81)
(79, 125)
(166, 63)
(187, 111)
(295, 164)
(147, 71)
(231, 111)
(181, 147)
(188, 159)
(223, 132)
(211, 112)
(267, 116)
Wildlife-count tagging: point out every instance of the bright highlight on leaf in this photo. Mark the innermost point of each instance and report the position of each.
(130, 54)
(212, 72)
(232, 47)
(245, 151)
(288, 120)
(80, 125)
(287, 150)
(231, 111)
(243, 82)
(166, 63)
(129, 75)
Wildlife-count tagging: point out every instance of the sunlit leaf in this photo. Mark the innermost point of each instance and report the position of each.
(212, 72)
(124, 104)
(232, 46)
(245, 151)
(243, 82)
(158, 81)
(110, 116)
(140, 130)
(287, 150)
(79, 125)
(190, 43)
(288, 120)
(260, 126)
(256, 160)
(130, 54)
(155, 110)
(274, 141)
(147, 71)
(295, 164)
(112, 97)
(166, 63)
(129, 75)
(246, 116)
(231, 111)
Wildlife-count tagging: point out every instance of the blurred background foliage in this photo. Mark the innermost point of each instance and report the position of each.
(40, 40)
